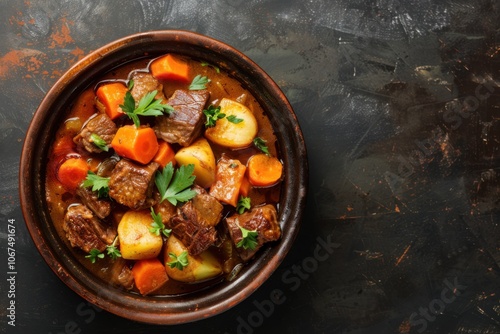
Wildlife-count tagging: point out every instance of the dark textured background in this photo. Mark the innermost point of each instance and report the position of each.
(399, 105)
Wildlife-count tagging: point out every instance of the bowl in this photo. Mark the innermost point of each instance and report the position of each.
(179, 308)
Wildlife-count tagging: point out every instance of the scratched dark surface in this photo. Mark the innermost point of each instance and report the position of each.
(399, 105)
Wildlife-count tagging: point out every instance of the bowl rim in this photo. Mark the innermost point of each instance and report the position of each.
(203, 306)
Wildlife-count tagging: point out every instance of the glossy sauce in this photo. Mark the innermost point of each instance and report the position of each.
(58, 198)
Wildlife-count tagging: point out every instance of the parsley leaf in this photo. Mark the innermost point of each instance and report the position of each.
(234, 119)
(175, 185)
(199, 82)
(147, 106)
(261, 145)
(216, 68)
(98, 183)
(212, 114)
(243, 204)
(178, 262)
(113, 251)
(157, 225)
(249, 239)
(99, 142)
(94, 254)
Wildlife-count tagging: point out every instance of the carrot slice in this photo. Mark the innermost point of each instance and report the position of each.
(139, 144)
(149, 275)
(111, 95)
(228, 178)
(170, 67)
(264, 170)
(72, 172)
(165, 154)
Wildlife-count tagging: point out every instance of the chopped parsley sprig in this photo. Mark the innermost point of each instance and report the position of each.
(98, 183)
(261, 145)
(99, 142)
(199, 82)
(178, 261)
(234, 119)
(243, 204)
(111, 250)
(157, 225)
(212, 115)
(248, 240)
(175, 185)
(147, 106)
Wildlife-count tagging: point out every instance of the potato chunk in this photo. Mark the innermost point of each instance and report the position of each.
(236, 134)
(200, 267)
(199, 154)
(136, 241)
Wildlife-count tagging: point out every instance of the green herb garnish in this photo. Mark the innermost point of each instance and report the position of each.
(248, 240)
(212, 114)
(98, 183)
(157, 225)
(113, 251)
(204, 63)
(147, 106)
(234, 119)
(178, 262)
(94, 254)
(199, 82)
(261, 145)
(130, 84)
(175, 185)
(99, 142)
(243, 204)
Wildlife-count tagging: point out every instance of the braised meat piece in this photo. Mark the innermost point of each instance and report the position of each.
(186, 122)
(100, 207)
(121, 275)
(208, 208)
(195, 222)
(132, 185)
(85, 231)
(145, 83)
(263, 220)
(100, 125)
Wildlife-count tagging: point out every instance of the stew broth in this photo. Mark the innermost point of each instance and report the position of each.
(59, 198)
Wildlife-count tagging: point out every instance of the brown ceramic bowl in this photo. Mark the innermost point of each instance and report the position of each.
(150, 309)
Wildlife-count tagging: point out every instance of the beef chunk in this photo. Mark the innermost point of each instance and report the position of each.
(166, 209)
(101, 125)
(85, 231)
(186, 122)
(208, 208)
(100, 207)
(262, 219)
(121, 275)
(131, 184)
(195, 222)
(145, 83)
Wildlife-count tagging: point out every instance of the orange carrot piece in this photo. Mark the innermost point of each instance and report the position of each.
(139, 144)
(149, 275)
(228, 178)
(264, 170)
(165, 154)
(245, 187)
(170, 67)
(111, 95)
(72, 172)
